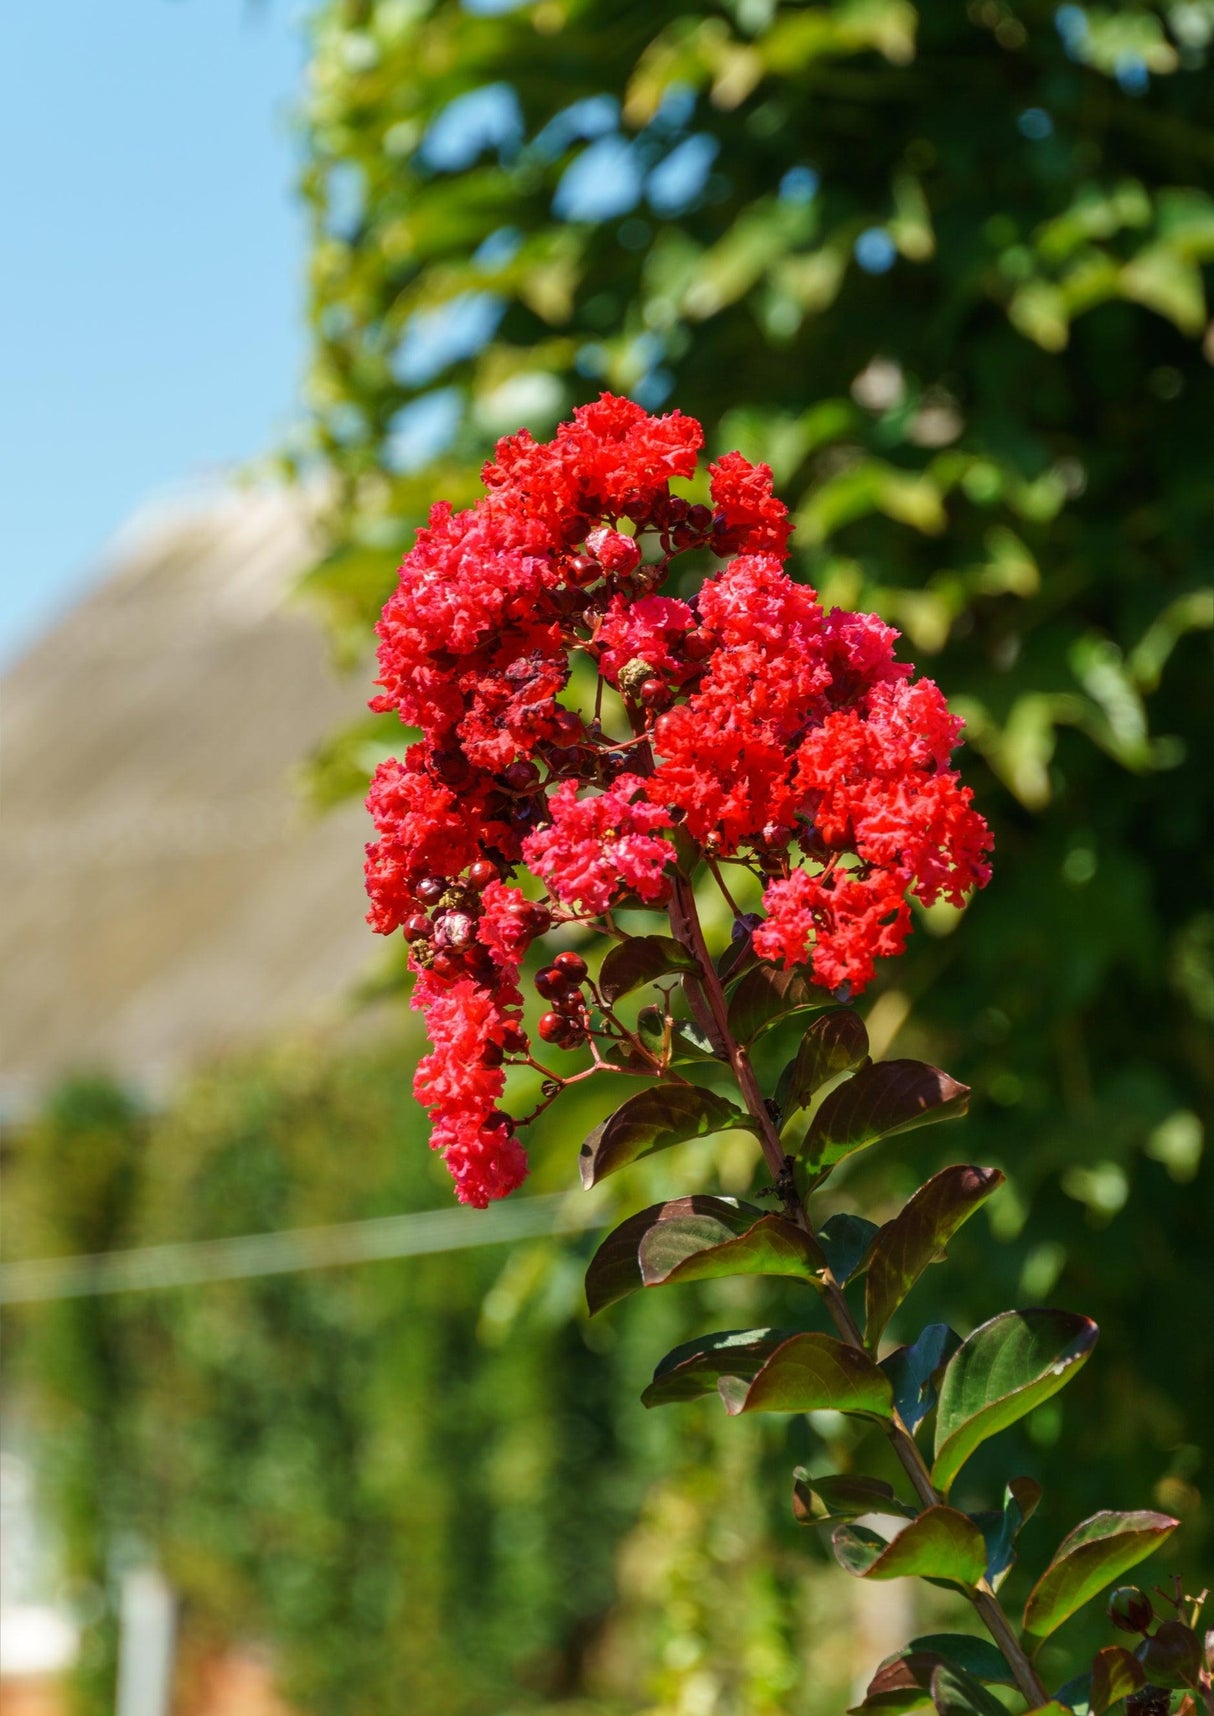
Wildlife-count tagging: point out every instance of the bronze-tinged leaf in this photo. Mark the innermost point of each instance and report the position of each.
(695, 1367)
(940, 1543)
(1098, 1551)
(699, 1247)
(906, 1245)
(1115, 1673)
(877, 1102)
(655, 1120)
(639, 960)
(615, 1269)
(833, 1043)
(766, 995)
(811, 1373)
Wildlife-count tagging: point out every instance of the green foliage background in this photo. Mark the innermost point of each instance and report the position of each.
(428, 1484)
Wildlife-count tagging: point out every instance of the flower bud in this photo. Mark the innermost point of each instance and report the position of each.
(429, 890)
(417, 927)
(482, 873)
(552, 1027)
(615, 552)
(455, 930)
(521, 776)
(572, 964)
(1130, 1609)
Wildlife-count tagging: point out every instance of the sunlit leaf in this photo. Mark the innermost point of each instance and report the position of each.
(615, 1269)
(1003, 1370)
(1096, 1552)
(1115, 1672)
(811, 1373)
(817, 1500)
(940, 1543)
(877, 1102)
(765, 995)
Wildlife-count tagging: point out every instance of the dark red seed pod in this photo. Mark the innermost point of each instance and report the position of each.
(656, 694)
(492, 1055)
(482, 873)
(417, 927)
(521, 776)
(429, 891)
(572, 964)
(570, 1003)
(550, 983)
(539, 918)
(698, 644)
(575, 1033)
(514, 1038)
(582, 569)
(567, 729)
(675, 510)
(699, 517)
(552, 1027)
(447, 964)
(683, 536)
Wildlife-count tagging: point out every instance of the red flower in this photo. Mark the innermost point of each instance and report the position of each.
(596, 849)
(767, 731)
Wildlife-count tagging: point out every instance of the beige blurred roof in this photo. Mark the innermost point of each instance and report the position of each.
(164, 894)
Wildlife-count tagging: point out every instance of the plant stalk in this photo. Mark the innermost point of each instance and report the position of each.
(686, 918)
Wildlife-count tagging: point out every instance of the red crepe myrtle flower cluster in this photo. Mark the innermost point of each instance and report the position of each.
(740, 719)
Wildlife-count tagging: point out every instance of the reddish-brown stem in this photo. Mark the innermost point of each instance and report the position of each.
(686, 918)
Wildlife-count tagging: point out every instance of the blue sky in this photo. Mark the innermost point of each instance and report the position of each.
(151, 299)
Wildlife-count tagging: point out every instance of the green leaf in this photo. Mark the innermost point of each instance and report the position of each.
(633, 963)
(655, 1120)
(878, 1101)
(694, 1368)
(615, 1269)
(977, 1656)
(811, 1373)
(1096, 1552)
(817, 1501)
(833, 1043)
(1172, 1656)
(914, 1372)
(1005, 1369)
(700, 1247)
(673, 1040)
(906, 1245)
(845, 1240)
(957, 1693)
(940, 1544)
(1000, 1529)
(1115, 1672)
(765, 995)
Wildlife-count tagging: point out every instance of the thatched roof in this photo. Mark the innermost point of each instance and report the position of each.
(166, 896)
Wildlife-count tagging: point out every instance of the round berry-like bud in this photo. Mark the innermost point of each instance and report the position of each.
(567, 729)
(664, 730)
(697, 644)
(582, 569)
(572, 964)
(417, 927)
(514, 1038)
(552, 1027)
(1130, 1609)
(655, 694)
(492, 1055)
(550, 982)
(447, 964)
(538, 918)
(521, 776)
(699, 517)
(685, 536)
(675, 510)
(482, 873)
(429, 891)
(570, 1003)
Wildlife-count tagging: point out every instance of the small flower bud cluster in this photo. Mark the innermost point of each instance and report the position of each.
(768, 733)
